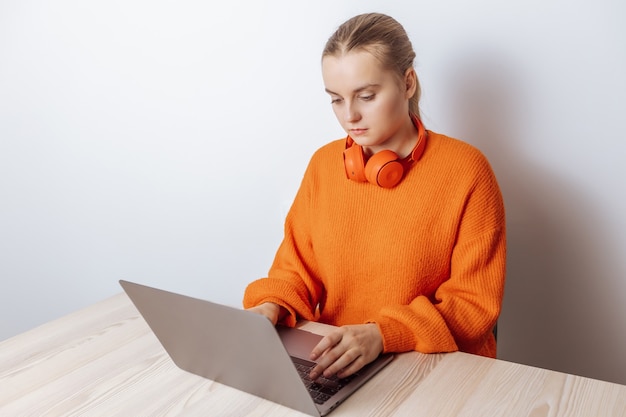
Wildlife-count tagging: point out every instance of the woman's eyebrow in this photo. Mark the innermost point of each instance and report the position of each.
(357, 90)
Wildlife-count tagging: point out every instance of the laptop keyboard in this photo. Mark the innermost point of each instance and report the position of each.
(322, 388)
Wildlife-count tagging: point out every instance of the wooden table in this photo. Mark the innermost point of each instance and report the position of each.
(104, 361)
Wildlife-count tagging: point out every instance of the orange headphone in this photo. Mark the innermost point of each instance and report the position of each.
(384, 168)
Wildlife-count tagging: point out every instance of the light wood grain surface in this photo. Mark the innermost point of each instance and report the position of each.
(104, 361)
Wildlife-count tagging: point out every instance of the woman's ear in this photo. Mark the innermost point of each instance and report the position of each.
(410, 82)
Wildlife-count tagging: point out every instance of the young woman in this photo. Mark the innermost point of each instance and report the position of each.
(397, 233)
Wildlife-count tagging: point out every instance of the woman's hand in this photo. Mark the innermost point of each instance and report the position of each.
(346, 350)
(269, 310)
(272, 311)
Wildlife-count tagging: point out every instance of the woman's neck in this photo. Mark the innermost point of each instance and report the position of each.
(402, 142)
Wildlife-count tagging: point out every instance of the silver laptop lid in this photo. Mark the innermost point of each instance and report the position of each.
(227, 345)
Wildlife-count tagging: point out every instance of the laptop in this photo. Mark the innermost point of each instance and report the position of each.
(243, 350)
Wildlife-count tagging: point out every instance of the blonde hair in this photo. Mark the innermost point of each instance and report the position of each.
(384, 38)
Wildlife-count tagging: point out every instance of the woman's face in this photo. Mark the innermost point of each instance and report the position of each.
(369, 102)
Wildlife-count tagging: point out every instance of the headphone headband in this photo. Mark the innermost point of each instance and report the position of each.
(384, 168)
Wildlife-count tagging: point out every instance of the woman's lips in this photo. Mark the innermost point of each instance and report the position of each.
(357, 132)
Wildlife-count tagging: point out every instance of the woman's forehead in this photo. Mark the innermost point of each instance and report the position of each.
(353, 70)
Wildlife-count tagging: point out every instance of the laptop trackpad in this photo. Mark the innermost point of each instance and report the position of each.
(298, 342)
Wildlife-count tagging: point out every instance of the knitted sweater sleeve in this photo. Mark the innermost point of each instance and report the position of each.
(292, 282)
(465, 307)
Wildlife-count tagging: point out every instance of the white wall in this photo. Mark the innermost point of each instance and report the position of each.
(161, 142)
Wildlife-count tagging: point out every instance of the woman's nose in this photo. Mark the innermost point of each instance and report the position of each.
(352, 113)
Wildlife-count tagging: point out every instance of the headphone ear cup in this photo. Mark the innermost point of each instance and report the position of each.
(384, 169)
(354, 163)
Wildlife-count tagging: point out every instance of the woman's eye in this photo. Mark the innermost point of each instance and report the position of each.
(368, 97)
(335, 101)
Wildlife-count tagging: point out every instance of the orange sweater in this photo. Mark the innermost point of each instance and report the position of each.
(424, 260)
